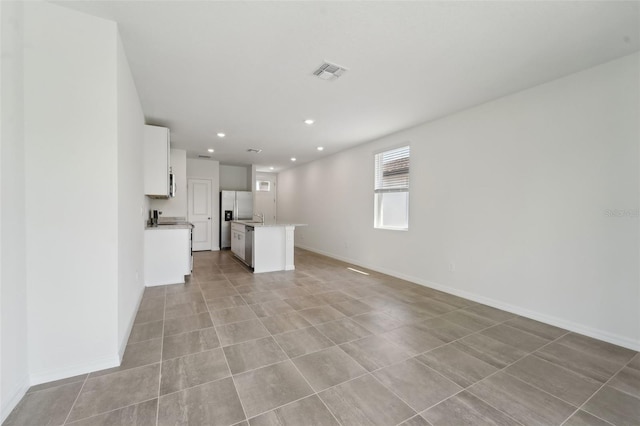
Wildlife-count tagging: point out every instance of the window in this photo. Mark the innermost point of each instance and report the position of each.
(392, 189)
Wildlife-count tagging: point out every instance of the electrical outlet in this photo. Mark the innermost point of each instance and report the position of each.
(452, 267)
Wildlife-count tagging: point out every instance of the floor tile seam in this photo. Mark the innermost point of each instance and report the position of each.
(581, 407)
(506, 323)
(186, 332)
(113, 410)
(397, 396)
(56, 386)
(235, 386)
(571, 404)
(593, 354)
(503, 369)
(307, 381)
(146, 322)
(563, 368)
(66, 419)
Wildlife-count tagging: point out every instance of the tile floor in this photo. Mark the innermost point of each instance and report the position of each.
(327, 346)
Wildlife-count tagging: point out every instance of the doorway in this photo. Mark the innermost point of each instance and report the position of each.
(265, 196)
(199, 212)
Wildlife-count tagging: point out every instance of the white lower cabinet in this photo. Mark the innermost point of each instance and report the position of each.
(167, 256)
(237, 240)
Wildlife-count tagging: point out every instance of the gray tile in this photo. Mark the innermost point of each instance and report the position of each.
(343, 330)
(274, 307)
(301, 342)
(627, 380)
(260, 297)
(188, 343)
(215, 403)
(490, 313)
(239, 332)
(614, 406)
(218, 292)
(514, 337)
(584, 363)
(521, 401)
(560, 382)
(46, 407)
(117, 390)
(149, 315)
(230, 315)
(452, 300)
(158, 291)
(582, 418)
(457, 366)
(352, 307)
(415, 421)
(468, 320)
(304, 302)
(413, 340)
(184, 324)
(143, 414)
(417, 385)
(225, 302)
(465, 409)
(192, 370)
(443, 329)
(146, 331)
(365, 401)
(57, 383)
(489, 350)
(333, 297)
(136, 355)
(373, 352)
(188, 287)
(320, 314)
(151, 303)
(253, 354)
(328, 367)
(185, 309)
(598, 348)
(285, 322)
(290, 293)
(433, 307)
(307, 411)
(635, 362)
(182, 298)
(270, 387)
(539, 329)
(377, 322)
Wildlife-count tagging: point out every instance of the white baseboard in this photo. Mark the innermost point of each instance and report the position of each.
(75, 370)
(606, 336)
(10, 401)
(123, 343)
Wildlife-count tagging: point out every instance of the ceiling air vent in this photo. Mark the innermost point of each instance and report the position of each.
(203, 156)
(254, 150)
(328, 71)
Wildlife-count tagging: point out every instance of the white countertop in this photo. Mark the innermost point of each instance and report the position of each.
(265, 225)
(182, 225)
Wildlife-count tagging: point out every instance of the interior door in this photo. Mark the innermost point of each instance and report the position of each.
(266, 197)
(199, 212)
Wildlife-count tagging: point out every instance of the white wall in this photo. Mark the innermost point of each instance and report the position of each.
(72, 216)
(13, 289)
(514, 192)
(207, 169)
(131, 201)
(176, 206)
(235, 178)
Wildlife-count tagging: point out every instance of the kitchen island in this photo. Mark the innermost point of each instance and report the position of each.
(265, 247)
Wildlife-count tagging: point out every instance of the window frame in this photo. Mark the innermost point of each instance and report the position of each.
(379, 194)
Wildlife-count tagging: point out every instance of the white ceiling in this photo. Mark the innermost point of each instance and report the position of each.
(245, 68)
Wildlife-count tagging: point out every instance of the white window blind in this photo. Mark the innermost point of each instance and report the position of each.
(392, 170)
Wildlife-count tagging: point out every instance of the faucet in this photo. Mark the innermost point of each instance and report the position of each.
(261, 216)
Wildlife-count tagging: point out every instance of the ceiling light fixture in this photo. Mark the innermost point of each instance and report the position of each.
(320, 148)
(271, 168)
(293, 158)
(210, 150)
(309, 121)
(221, 135)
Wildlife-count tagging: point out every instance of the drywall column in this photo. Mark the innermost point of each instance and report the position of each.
(13, 287)
(71, 152)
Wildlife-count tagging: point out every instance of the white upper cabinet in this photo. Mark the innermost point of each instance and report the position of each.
(156, 161)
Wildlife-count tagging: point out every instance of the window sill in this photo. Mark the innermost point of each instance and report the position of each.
(390, 228)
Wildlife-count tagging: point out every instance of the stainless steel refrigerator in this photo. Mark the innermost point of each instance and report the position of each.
(234, 205)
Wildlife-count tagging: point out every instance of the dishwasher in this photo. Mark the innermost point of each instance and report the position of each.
(248, 245)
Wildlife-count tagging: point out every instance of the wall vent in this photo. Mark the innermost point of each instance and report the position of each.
(203, 156)
(254, 150)
(329, 71)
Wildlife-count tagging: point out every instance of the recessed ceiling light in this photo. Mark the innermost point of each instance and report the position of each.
(320, 148)
(271, 168)
(221, 135)
(210, 150)
(293, 158)
(309, 121)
